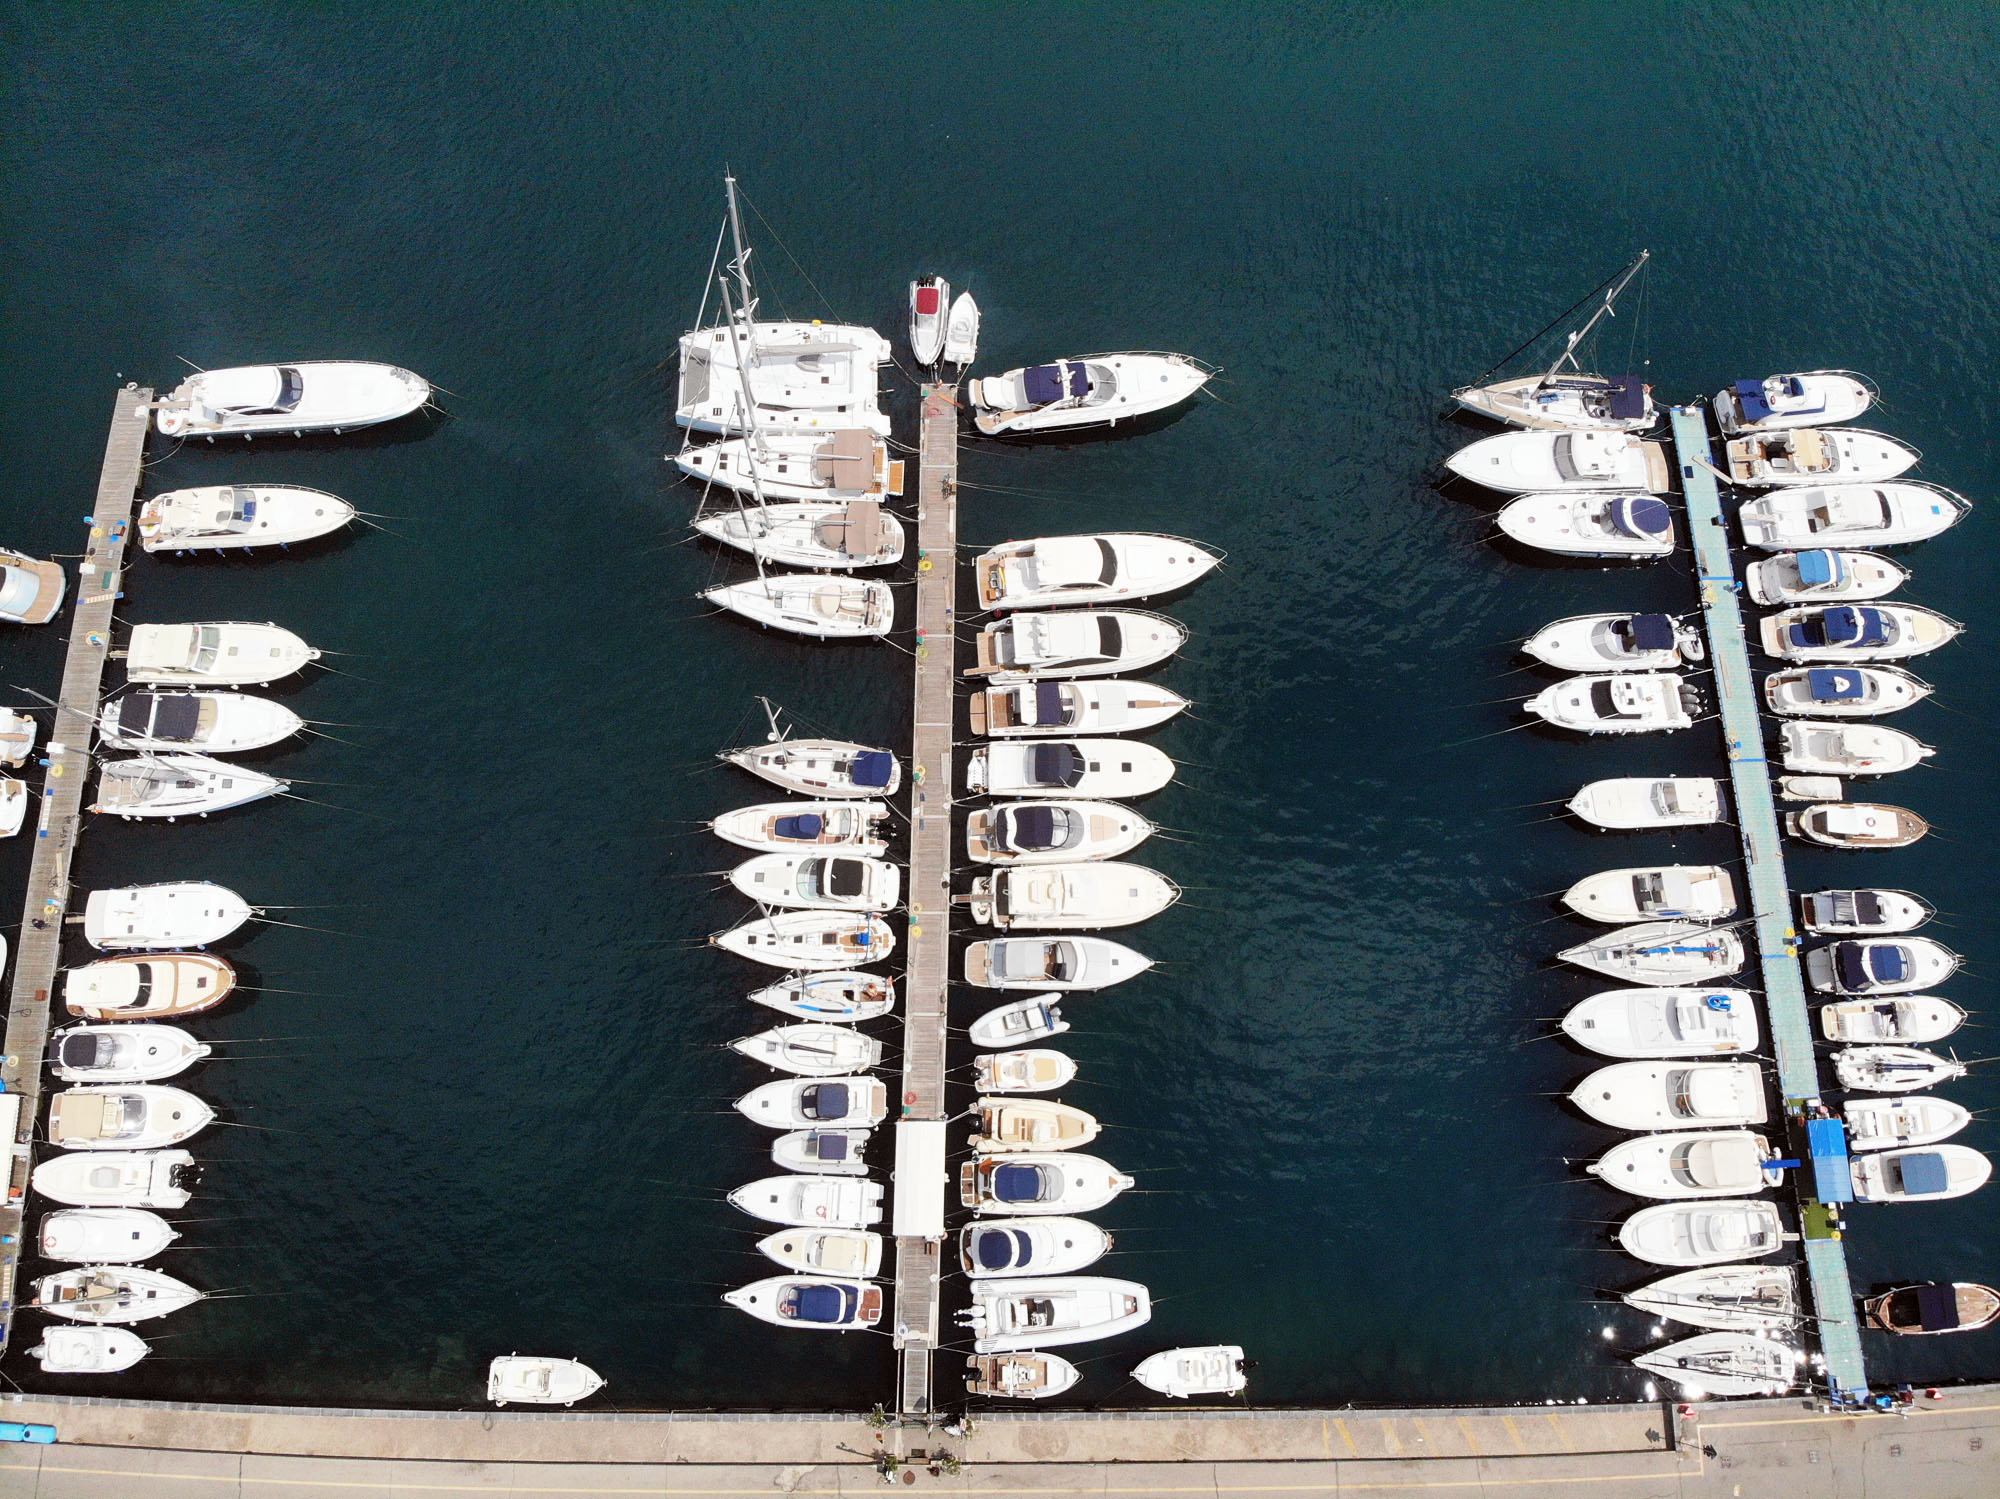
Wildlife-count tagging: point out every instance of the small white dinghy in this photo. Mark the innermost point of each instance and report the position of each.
(112, 1293)
(17, 736)
(522, 1379)
(104, 1236)
(1893, 1069)
(1703, 1233)
(844, 998)
(1053, 832)
(817, 605)
(1811, 398)
(1063, 963)
(825, 1251)
(1095, 390)
(1073, 643)
(1682, 892)
(1880, 965)
(832, 469)
(1031, 1069)
(824, 1152)
(802, 1103)
(147, 986)
(810, 1303)
(1616, 642)
(822, 767)
(819, 882)
(88, 1350)
(1928, 1173)
(223, 653)
(1110, 567)
(1862, 912)
(1010, 1124)
(1689, 1163)
(1843, 691)
(810, 533)
(123, 1053)
(1822, 577)
(1619, 703)
(1850, 749)
(812, 1201)
(1742, 1297)
(1664, 1095)
(206, 723)
(1019, 1376)
(1854, 515)
(1094, 769)
(1856, 632)
(810, 939)
(811, 1050)
(218, 517)
(1725, 1363)
(1033, 710)
(1532, 462)
(174, 786)
(1639, 527)
(184, 913)
(1030, 1246)
(1665, 1023)
(31, 591)
(329, 395)
(1040, 1184)
(1662, 953)
(961, 331)
(1007, 1316)
(1899, 1019)
(1815, 455)
(1181, 1373)
(1630, 802)
(1886, 1123)
(853, 827)
(1070, 897)
(1856, 825)
(131, 1117)
(930, 303)
(116, 1179)
(1032, 1019)
(13, 806)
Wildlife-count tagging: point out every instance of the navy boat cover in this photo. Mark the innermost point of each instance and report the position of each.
(1032, 827)
(1750, 395)
(1056, 765)
(805, 825)
(1826, 1144)
(1017, 1183)
(845, 878)
(1043, 383)
(824, 1101)
(1625, 397)
(1889, 963)
(1924, 1173)
(1834, 686)
(85, 1051)
(873, 768)
(1048, 703)
(175, 715)
(1867, 908)
(1641, 516)
(1937, 1307)
(1652, 632)
(824, 1304)
(996, 1248)
(828, 1147)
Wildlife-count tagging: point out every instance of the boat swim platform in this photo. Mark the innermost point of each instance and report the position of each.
(922, 1181)
(1788, 1018)
(66, 753)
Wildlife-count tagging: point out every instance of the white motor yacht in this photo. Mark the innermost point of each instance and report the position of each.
(820, 606)
(218, 517)
(1703, 1233)
(1109, 567)
(1725, 1363)
(1031, 1019)
(812, 534)
(812, 1201)
(1850, 515)
(1181, 1373)
(149, 987)
(1928, 1173)
(831, 468)
(31, 591)
(1762, 1297)
(821, 882)
(1052, 832)
(1534, 462)
(1621, 703)
(123, 1053)
(111, 1293)
(826, 1251)
(206, 723)
(88, 1350)
(1856, 825)
(174, 786)
(183, 913)
(1031, 710)
(1039, 1184)
(1862, 912)
(1070, 897)
(961, 331)
(131, 1117)
(1590, 524)
(1842, 691)
(813, 1303)
(842, 997)
(1630, 802)
(851, 827)
(1019, 1376)
(1893, 1069)
(1851, 632)
(1062, 963)
(331, 395)
(822, 1152)
(1902, 1018)
(17, 736)
(1616, 642)
(1665, 1023)
(1810, 398)
(818, 940)
(523, 1379)
(800, 1103)
(1664, 953)
(822, 767)
(1822, 577)
(1095, 390)
(220, 653)
(1007, 1316)
(930, 301)
(1029, 1070)
(1030, 1246)
(1850, 749)
(811, 1050)
(1880, 965)
(116, 1179)
(1008, 1124)
(1664, 1095)
(1094, 769)
(1683, 892)
(1074, 643)
(106, 1236)
(1886, 1123)
(1840, 456)
(1689, 1163)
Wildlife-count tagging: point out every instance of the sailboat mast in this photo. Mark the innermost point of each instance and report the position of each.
(755, 445)
(742, 262)
(1568, 355)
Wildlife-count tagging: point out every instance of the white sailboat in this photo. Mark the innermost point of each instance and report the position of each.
(819, 606)
(1565, 397)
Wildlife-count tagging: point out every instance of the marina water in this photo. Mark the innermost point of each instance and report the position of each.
(482, 1076)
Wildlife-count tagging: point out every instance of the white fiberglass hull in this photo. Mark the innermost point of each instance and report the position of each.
(819, 606)
(1053, 832)
(1879, 1176)
(1812, 398)
(817, 940)
(88, 1350)
(1553, 462)
(1853, 749)
(819, 882)
(1909, 1019)
(190, 913)
(1738, 1297)
(1605, 643)
(1670, 892)
(517, 1379)
(806, 466)
(1039, 1184)
(315, 396)
(1105, 568)
(122, 1179)
(1892, 1069)
(1890, 1123)
(1045, 710)
(811, 1050)
(822, 767)
(846, 827)
(842, 998)
(1703, 1233)
(825, 1251)
(1843, 691)
(1029, 1070)
(1849, 515)
(793, 535)
(1666, 1095)
(1641, 1023)
(800, 1201)
(1053, 1312)
(1589, 524)
(1091, 769)
(112, 1294)
(1019, 1247)
(1091, 390)
(217, 654)
(1903, 630)
(222, 517)
(127, 1116)
(1632, 802)
(1725, 1363)
(1861, 576)
(1688, 1164)
(1663, 953)
(106, 1236)
(1070, 897)
(823, 1152)
(1182, 1373)
(803, 377)
(810, 1303)
(166, 787)
(1032, 1019)
(804, 1103)
(1062, 963)
(1036, 645)
(204, 723)
(1815, 456)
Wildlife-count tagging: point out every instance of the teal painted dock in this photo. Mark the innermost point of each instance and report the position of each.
(1787, 1019)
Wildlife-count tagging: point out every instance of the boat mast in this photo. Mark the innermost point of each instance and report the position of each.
(755, 445)
(1568, 355)
(741, 264)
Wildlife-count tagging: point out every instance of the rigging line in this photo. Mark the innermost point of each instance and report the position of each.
(785, 247)
(713, 261)
(1550, 325)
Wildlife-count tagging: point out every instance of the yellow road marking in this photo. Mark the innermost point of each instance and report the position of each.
(1561, 1435)
(1341, 1427)
(1513, 1430)
(1471, 1440)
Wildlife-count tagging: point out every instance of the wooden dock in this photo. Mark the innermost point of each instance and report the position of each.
(1786, 1014)
(66, 753)
(928, 952)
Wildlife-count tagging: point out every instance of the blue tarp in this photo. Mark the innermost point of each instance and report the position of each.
(1819, 569)
(1652, 632)
(873, 768)
(1937, 1307)
(1750, 395)
(805, 825)
(1924, 1173)
(1826, 1142)
(1044, 383)
(1642, 516)
(823, 1304)
(1048, 702)
(1625, 397)
(1017, 1183)
(1834, 686)
(993, 1248)
(1033, 827)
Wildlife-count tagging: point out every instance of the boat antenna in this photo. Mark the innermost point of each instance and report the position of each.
(741, 264)
(1568, 355)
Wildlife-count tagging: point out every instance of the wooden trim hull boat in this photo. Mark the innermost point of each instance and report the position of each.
(1889, 1123)
(224, 517)
(1053, 832)
(126, 1053)
(1669, 892)
(112, 1293)
(1008, 1316)
(1856, 825)
(202, 723)
(1725, 1363)
(125, 1117)
(1559, 462)
(103, 1236)
(88, 1350)
(1031, 1019)
(810, 1303)
(1822, 577)
(1092, 390)
(851, 827)
(1931, 1308)
(1636, 1023)
(1703, 1233)
(1921, 1173)
(831, 881)
(1744, 1297)
(825, 1251)
(1665, 1095)
(1070, 897)
(1816, 747)
(1093, 769)
(1843, 691)
(844, 998)
(1850, 515)
(1110, 567)
(1039, 1184)
(803, 1103)
(1039, 643)
(1689, 1164)
(822, 767)
(1029, 1070)
(1809, 398)
(1815, 456)
(148, 986)
(1020, 1247)
(814, 940)
(120, 1179)
(1019, 1376)
(31, 591)
(1046, 710)
(809, 1201)
(1900, 1018)
(1011, 1124)
(1892, 1069)
(219, 653)
(1629, 802)
(331, 395)
(1183, 1373)
(521, 1379)
(828, 1152)
(810, 1050)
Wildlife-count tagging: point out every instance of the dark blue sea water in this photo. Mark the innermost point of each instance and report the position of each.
(478, 1095)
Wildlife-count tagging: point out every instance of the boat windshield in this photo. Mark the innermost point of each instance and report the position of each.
(207, 647)
(291, 388)
(143, 990)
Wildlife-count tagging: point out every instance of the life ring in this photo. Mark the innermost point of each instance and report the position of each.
(910, 1098)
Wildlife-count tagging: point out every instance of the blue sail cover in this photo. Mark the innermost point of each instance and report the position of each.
(1625, 397)
(1652, 632)
(1819, 569)
(823, 1304)
(1641, 516)
(873, 768)
(1750, 395)
(1834, 686)
(1924, 1173)
(805, 825)
(1826, 1143)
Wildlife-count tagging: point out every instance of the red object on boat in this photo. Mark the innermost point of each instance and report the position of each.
(927, 301)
